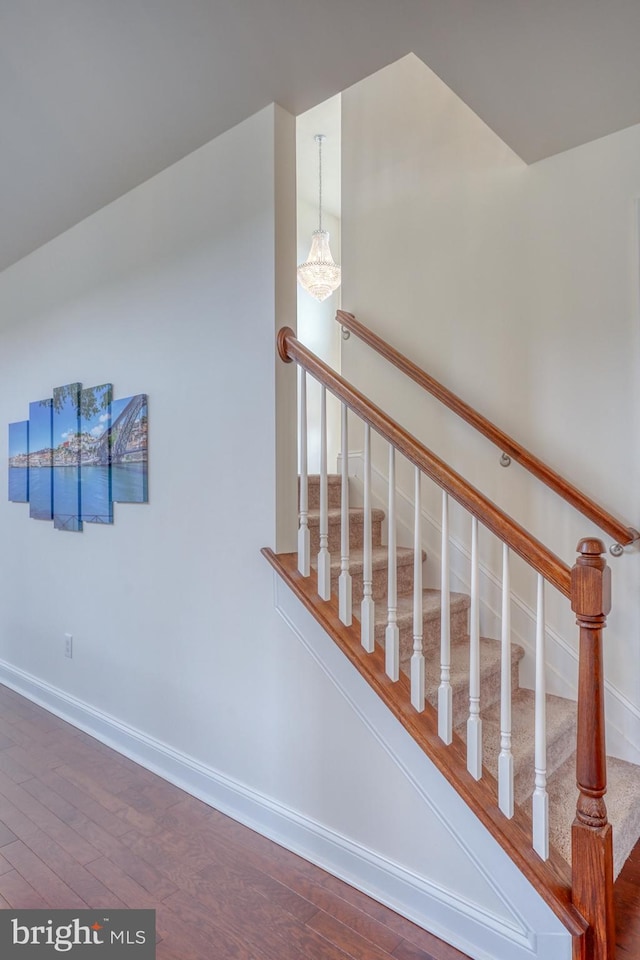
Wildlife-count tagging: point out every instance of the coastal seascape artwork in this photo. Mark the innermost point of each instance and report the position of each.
(19, 456)
(95, 460)
(79, 452)
(129, 450)
(40, 460)
(66, 457)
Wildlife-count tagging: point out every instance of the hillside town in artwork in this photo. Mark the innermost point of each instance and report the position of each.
(85, 446)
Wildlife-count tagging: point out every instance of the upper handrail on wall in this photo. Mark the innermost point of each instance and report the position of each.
(494, 519)
(621, 533)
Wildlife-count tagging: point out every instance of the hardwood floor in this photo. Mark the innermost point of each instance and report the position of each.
(626, 893)
(82, 826)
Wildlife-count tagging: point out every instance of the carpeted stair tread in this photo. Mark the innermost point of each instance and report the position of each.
(561, 738)
(334, 490)
(623, 808)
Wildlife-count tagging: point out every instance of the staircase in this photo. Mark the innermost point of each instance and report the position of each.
(547, 808)
(623, 793)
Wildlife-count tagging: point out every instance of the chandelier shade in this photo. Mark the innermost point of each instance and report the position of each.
(319, 275)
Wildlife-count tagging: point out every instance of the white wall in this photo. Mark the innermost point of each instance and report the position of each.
(517, 287)
(180, 656)
(168, 291)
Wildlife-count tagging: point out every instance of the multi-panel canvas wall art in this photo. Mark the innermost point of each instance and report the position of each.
(128, 439)
(66, 457)
(96, 502)
(41, 460)
(19, 462)
(78, 453)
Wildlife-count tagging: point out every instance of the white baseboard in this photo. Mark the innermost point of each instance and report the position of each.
(475, 932)
(622, 716)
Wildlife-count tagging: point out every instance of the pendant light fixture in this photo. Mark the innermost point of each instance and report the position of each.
(319, 275)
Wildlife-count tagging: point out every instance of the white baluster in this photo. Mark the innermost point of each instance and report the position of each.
(324, 558)
(445, 703)
(344, 583)
(367, 607)
(417, 658)
(505, 760)
(392, 633)
(304, 543)
(474, 723)
(540, 795)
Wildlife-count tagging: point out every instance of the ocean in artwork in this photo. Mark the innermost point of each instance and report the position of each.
(19, 462)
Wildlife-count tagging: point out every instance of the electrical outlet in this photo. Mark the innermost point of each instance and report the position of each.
(68, 645)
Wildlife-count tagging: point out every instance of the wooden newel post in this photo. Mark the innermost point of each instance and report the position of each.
(591, 837)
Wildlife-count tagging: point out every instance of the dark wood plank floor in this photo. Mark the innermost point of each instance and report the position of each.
(627, 900)
(82, 826)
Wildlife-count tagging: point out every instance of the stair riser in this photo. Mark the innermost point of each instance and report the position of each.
(334, 491)
(355, 534)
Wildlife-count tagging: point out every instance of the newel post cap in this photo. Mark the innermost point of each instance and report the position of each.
(590, 547)
(591, 581)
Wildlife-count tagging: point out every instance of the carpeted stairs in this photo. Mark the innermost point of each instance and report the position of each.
(623, 795)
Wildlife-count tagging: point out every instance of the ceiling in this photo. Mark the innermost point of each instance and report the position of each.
(96, 96)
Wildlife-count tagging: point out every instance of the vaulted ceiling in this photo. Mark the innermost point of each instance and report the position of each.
(98, 95)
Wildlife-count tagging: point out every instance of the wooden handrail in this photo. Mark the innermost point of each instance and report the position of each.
(621, 533)
(491, 516)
